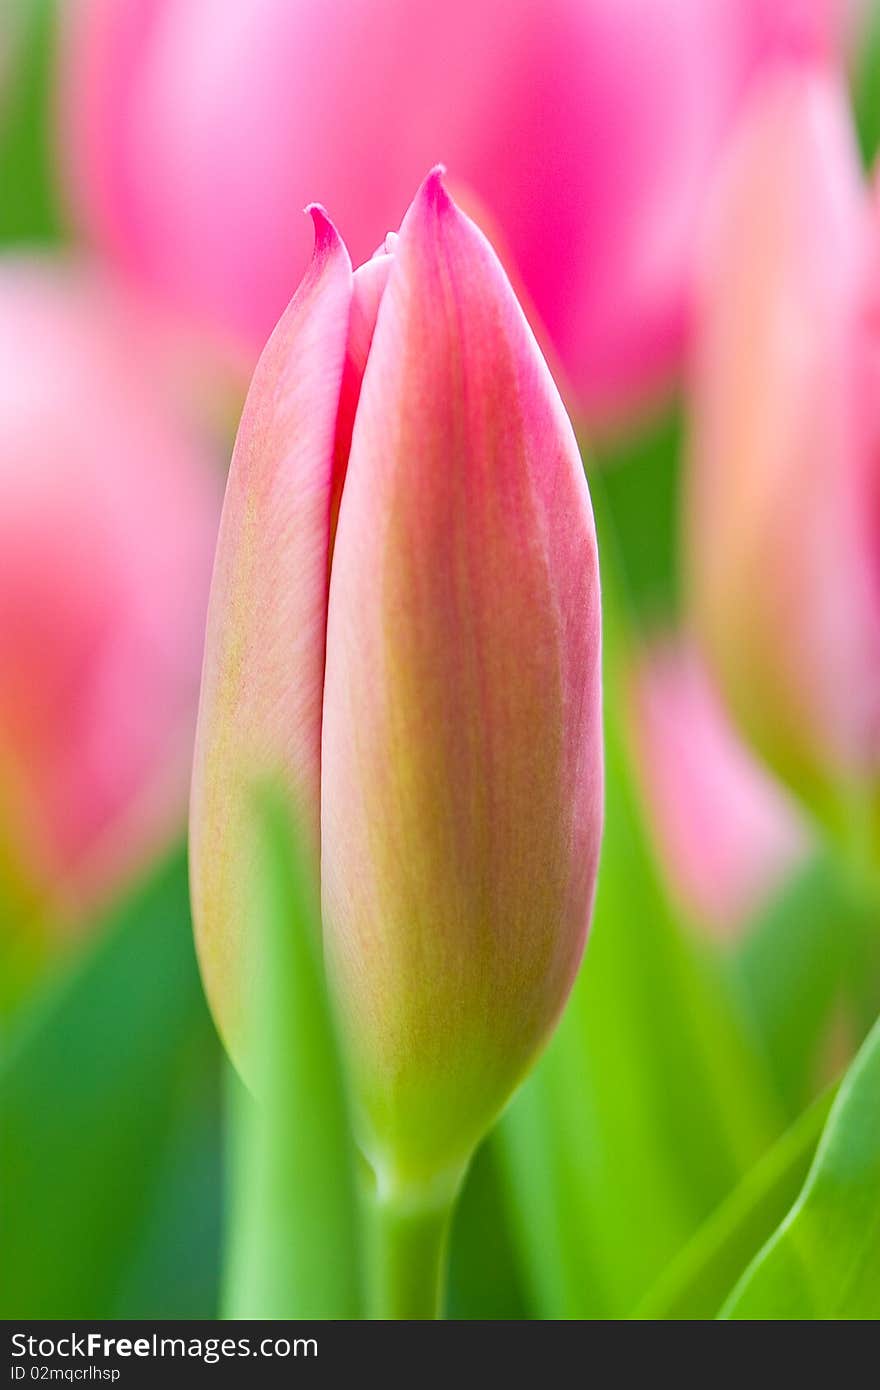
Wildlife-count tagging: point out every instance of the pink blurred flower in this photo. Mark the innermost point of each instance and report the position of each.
(783, 526)
(193, 133)
(727, 834)
(108, 514)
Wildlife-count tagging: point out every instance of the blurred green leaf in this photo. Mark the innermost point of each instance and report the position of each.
(698, 1281)
(653, 1099)
(634, 482)
(824, 1260)
(28, 206)
(866, 84)
(99, 1085)
(292, 1250)
(795, 969)
(175, 1267)
(485, 1281)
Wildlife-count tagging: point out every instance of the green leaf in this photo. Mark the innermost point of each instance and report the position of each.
(801, 970)
(292, 1250)
(634, 481)
(98, 1085)
(174, 1270)
(653, 1099)
(824, 1260)
(28, 207)
(485, 1281)
(866, 85)
(698, 1281)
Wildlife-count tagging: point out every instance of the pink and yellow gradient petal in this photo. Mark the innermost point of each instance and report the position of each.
(263, 677)
(462, 761)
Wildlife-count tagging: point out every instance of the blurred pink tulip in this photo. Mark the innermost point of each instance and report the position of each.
(727, 834)
(108, 516)
(422, 678)
(193, 133)
(782, 508)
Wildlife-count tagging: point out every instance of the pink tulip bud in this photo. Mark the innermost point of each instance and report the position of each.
(108, 515)
(782, 506)
(422, 675)
(193, 132)
(726, 833)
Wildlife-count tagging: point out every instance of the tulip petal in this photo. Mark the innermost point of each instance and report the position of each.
(260, 711)
(368, 286)
(461, 777)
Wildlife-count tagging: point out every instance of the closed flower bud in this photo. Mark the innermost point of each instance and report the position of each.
(404, 630)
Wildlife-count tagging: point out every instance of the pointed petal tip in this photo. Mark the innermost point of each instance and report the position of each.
(433, 190)
(431, 206)
(326, 235)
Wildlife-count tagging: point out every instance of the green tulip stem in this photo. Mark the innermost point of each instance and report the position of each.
(407, 1254)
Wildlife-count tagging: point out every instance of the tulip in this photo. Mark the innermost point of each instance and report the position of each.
(781, 506)
(404, 632)
(727, 834)
(193, 132)
(108, 513)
